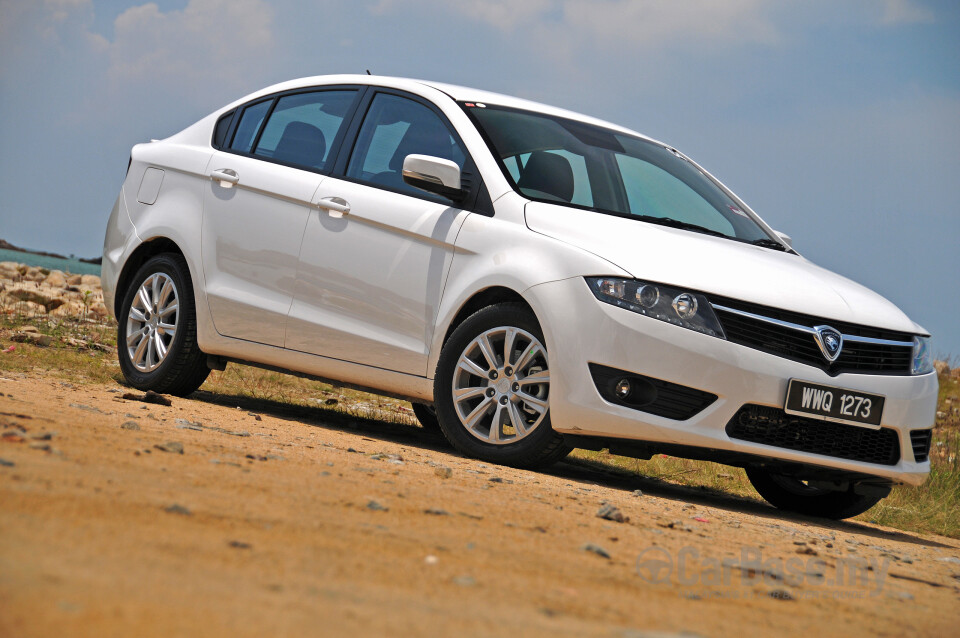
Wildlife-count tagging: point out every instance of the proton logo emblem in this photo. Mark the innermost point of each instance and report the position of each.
(830, 341)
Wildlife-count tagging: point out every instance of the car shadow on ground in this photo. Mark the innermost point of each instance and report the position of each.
(574, 470)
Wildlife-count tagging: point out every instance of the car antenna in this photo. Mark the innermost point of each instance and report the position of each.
(368, 72)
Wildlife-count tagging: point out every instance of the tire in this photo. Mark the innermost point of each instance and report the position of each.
(518, 397)
(427, 416)
(155, 360)
(793, 495)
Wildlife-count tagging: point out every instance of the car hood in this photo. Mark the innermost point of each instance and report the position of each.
(716, 265)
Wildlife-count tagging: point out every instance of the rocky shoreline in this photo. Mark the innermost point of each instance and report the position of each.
(31, 291)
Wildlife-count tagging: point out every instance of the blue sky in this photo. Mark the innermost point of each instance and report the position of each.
(837, 121)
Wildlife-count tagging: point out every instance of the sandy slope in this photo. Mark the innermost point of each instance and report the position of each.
(271, 534)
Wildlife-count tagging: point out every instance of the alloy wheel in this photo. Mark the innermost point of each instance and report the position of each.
(152, 322)
(501, 385)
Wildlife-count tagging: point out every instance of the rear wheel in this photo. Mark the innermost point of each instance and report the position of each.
(157, 329)
(492, 390)
(795, 495)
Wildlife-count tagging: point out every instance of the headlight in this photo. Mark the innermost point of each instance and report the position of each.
(680, 307)
(922, 356)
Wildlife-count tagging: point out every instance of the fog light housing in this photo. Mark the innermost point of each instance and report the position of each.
(623, 388)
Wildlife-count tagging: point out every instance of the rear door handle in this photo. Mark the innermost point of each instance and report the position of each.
(337, 206)
(225, 176)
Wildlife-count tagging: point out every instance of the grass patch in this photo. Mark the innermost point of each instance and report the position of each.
(933, 507)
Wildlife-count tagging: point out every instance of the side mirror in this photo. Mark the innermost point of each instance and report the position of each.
(434, 175)
(785, 238)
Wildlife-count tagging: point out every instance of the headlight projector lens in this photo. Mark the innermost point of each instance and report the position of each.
(685, 305)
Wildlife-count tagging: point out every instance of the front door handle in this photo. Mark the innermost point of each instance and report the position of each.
(337, 206)
(225, 176)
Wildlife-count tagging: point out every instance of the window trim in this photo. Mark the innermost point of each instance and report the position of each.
(333, 152)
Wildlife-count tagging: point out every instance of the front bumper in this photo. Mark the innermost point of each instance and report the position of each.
(590, 331)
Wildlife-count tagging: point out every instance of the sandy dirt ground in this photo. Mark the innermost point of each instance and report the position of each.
(277, 520)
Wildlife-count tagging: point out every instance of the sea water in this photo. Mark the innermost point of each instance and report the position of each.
(73, 266)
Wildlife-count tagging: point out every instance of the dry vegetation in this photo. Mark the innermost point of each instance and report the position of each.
(84, 350)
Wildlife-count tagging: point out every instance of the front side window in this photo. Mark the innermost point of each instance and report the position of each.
(302, 127)
(571, 163)
(394, 128)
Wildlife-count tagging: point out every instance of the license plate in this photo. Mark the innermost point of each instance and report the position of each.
(834, 404)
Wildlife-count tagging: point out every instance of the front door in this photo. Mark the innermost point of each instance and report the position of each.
(370, 279)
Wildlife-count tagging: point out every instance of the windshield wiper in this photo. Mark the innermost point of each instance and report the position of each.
(770, 243)
(676, 223)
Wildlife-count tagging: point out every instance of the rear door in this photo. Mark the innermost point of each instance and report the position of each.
(370, 280)
(257, 205)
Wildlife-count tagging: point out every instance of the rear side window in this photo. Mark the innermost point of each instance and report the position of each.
(303, 126)
(249, 126)
(394, 128)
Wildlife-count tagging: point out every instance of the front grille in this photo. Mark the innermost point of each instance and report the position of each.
(920, 441)
(772, 426)
(782, 341)
(651, 395)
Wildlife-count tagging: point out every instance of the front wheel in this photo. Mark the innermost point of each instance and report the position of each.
(492, 390)
(794, 495)
(157, 329)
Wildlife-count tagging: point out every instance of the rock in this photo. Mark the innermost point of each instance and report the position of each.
(130, 425)
(443, 472)
(74, 280)
(780, 594)
(464, 581)
(809, 551)
(239, 545)
(177, 509)
(436, 512)
(255, 416)
(40, 446)
(497, 479)
(431, 560)
(595, 549)
(611, 513)
(6, 463)
(69, 309)
(87, 408)
(174, 447)
(42, 436)
(950, 559)
(55, 279)
(34, 338)
(90, 280)
(377, 507)
(637, 493)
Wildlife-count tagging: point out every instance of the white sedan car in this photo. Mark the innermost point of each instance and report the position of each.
(533, 280)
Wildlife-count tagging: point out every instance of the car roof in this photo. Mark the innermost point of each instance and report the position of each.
(455, 92)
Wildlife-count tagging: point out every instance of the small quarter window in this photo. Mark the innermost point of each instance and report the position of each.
(220, 130)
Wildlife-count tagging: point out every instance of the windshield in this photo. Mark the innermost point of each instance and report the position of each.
(561, 161)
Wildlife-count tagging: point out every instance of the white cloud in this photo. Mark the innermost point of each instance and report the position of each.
(634, 24)
(904, 12)
(219, 41)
